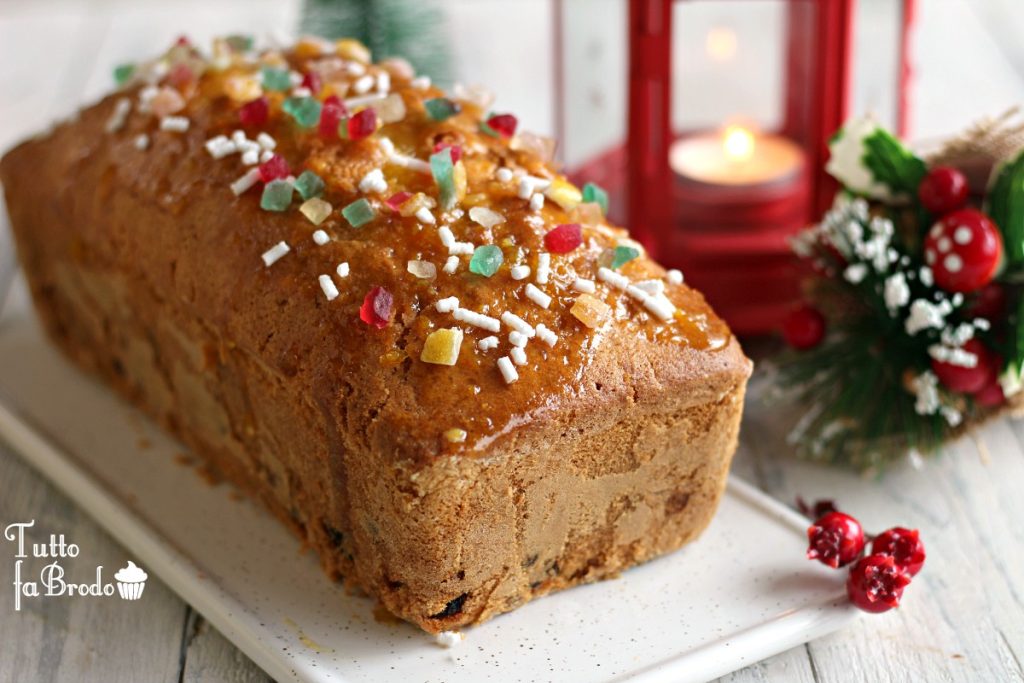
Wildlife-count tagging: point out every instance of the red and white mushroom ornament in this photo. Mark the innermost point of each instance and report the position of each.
(964, 250)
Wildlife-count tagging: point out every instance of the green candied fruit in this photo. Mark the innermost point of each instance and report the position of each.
(309, 185)
(623, 255)
(593, 192)
(441, 108)
(443, 170)
(305, 110)
(275, 79)
(277, 195)
(239, 42)
(359, 213)
(122, 73)
(486, 260)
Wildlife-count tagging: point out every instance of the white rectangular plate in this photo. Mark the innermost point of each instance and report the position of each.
(742, 592)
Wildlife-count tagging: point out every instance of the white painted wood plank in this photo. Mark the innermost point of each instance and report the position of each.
(211, 658)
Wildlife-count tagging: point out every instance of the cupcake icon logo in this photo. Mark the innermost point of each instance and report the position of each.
(131, 581)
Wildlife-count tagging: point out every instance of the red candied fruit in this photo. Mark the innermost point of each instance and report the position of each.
(331, 115)
(180, 75)
(254, 113)
(503, 124)
(396, 200)
(376, 310)
(456, 150)
(362, 124)
(312, 81)
(564, 238)
(274, 168)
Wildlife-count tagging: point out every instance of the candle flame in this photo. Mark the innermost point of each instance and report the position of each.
(738, 143)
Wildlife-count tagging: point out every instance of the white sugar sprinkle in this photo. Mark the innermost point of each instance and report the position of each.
(447, 305)
(616, 280)
(420, 82)
(674, 277)
(652, 287)
(536, 296)
(141, 141)
(119, 116)
(517, 338)
(373, 182)
(546, 335)
(520, 272)
(175, 124)
(251, 158)
(583, 285)
(488, 343)
(342, 269)
(301, 92)
(220, 146)
(536, 201)
(321, 238)
(637, 293)
(270, 256)
(384, 82)
(446, 235)
(327, 284)
(518, 355)
(660, 306)
(475, 319)
(265, 156)
(245, 182)
(362, 85)
(238, 137)
(451, 265)
(504, 175)
(517, 323)
(543, 268)
(461, 248)
(266, 141)
(423, 215)
(508, 371)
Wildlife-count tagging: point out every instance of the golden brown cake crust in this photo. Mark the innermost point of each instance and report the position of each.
(612, 446)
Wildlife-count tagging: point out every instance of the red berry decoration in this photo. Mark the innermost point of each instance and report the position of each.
(254, 114)
(968, 380)
(503, 124)
(377, 308)
(876, 584)
(903, 545)
(564, 238)
(944, 189)
(836, 539)
(804, 327)
(991, 395)
(989, 302)
(274, 168)
(964, 250)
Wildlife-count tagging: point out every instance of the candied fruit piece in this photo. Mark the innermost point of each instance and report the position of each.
(564, 238)
(396, 200)
(447, 176)
(316, 210)
(563, 193)
(277, 195)
(442, 346)
(377, 308)
(331, 115)
(623, 255)
(349, 48)
(167, 101)
(456, 150)
(274, 168)
(362, 124)
(485, 217)
(273, 78)
(305, 110)
(123, 73)
(486, 260)
(359, 213)
(311, 81)
(425, 270)
(239, 42)
(309, 185)
(455, 435)
(441, 108)
(592, 192)
(590, 310)
(390, 109)
(587, 213)
(254, 113)
(500, 125)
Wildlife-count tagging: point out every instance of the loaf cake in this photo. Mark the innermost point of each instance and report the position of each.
(379, 308)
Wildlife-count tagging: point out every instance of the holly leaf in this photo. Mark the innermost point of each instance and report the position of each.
(892, 163)
(1004, 203)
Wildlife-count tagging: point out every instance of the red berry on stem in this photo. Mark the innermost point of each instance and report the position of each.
(876, 584)
(991, 395)
(836, 539)
(564, 238)
(377, 308)
(944, 189)
(964, 250)
(254, 113)
(804, 327)
(903, 545)
(274, 168)
(968, 380)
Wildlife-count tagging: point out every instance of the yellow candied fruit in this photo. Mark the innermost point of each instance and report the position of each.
(308, 48)
(590, 310)
(242, 88)
(348, 48)
(442, 346)
(459, 178)
(316, 210)
(415, 203)
(455, 435)
(587, 213)
(392, 357)
(564, 193)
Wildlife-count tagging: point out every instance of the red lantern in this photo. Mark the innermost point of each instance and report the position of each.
(710, 180)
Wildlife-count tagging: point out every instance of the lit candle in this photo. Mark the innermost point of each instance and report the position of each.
(737, 158)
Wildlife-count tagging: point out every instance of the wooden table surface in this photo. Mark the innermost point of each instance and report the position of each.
(963, 619)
